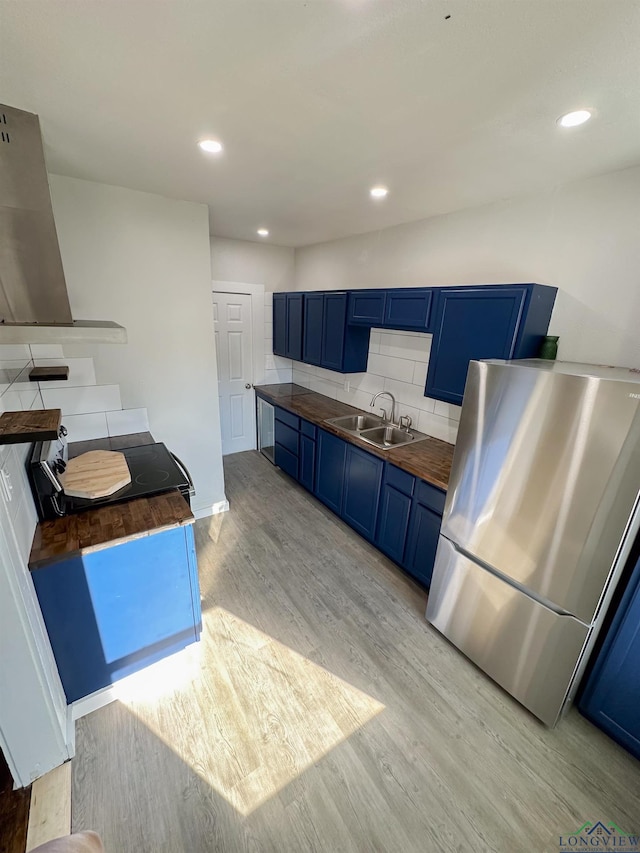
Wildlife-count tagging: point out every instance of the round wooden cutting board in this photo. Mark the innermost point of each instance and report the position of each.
(95, 474)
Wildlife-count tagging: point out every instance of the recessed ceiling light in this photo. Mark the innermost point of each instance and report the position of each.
(263, 232)
(211, 146)
(378, 192)
(575, 118)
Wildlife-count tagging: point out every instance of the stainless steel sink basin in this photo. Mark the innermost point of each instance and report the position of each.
(375, 431)
(356, 423)
(386, 436)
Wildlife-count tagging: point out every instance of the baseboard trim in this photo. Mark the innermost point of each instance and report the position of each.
(106, 695)
(214, 509)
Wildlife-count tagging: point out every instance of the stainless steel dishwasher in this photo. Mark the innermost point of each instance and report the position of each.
(266, 429)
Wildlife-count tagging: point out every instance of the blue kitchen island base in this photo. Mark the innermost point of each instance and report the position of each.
(112, 611)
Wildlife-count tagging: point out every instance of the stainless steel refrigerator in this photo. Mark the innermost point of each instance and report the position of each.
(541, 512)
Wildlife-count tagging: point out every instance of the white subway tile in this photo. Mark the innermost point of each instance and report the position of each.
(374, 341)
(391, 368)
(301, 378)
(86, 427)
(268, 346)
(404, 392)
(273, 377)
(282, 363)
(269, 362)
(127, 421)
(368, 382)
(402, 410)
(420, 373)
(81, 372)
(83, 400)
(447, 410)
(438, 427)
(404, 345)
(10, 352)
(321, 386)
(46, 351)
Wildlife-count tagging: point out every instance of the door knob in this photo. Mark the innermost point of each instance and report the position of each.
(248, 385)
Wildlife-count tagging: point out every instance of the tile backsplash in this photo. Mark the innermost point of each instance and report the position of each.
(397, 363)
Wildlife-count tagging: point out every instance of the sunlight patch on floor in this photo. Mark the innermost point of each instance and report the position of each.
(256, 715)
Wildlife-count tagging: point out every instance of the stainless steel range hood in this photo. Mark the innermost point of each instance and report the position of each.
(34, 305)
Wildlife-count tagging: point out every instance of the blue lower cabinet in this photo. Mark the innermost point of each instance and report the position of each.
(393, 522)
(110, 613)
(331, 455)
(362, 479)
(422, 542)
(286, 460)
(611, 696)
(307, 463)
(286, 436)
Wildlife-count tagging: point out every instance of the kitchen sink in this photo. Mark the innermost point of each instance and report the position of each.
(386, 436)
(375, 431)
(356, 423)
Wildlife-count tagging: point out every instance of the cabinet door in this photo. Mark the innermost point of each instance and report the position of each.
(333, 330)
(312, 336)
(422, 542)
(330, 462)
(106, 620)
(280, 324)
(363, 476)
(471, 323)
(366, 307)
(408, 309)
(612, 695)
(307, 467)
(294, 326)
(393, 523)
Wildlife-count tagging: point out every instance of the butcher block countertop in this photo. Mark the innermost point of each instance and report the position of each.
(74, 535)
(430, 459)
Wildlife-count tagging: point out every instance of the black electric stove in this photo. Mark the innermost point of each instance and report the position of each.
(153, 468)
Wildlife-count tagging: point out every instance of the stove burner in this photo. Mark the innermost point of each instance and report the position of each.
(152, 478)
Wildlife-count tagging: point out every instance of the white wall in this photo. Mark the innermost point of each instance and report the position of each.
(144, 261)
(254, 263)
(583, 238)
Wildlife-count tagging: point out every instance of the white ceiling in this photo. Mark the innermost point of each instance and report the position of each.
(317, 100)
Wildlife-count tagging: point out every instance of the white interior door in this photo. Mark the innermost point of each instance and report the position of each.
(232, 323)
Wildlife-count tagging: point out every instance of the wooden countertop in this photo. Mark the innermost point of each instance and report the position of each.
(74, 535)
(430, 460)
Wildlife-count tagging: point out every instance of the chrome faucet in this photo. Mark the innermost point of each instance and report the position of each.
(393, 404)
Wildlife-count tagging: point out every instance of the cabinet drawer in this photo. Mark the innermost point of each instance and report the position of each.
(399, 479)
(408, 309)
(307, 429)
(287, 437)
(287, 418)
(367, 307)
(428, 495)
(286, 460)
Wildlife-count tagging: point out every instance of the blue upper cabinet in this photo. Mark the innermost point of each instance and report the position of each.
(501, 321)
(327, 339)
(408, 309)
(280, 324)
(366, 307)
(611, 698)
(312, 335)
(401, 308)
(287, 325)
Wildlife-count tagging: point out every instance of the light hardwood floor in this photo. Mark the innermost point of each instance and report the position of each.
(322, 713)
